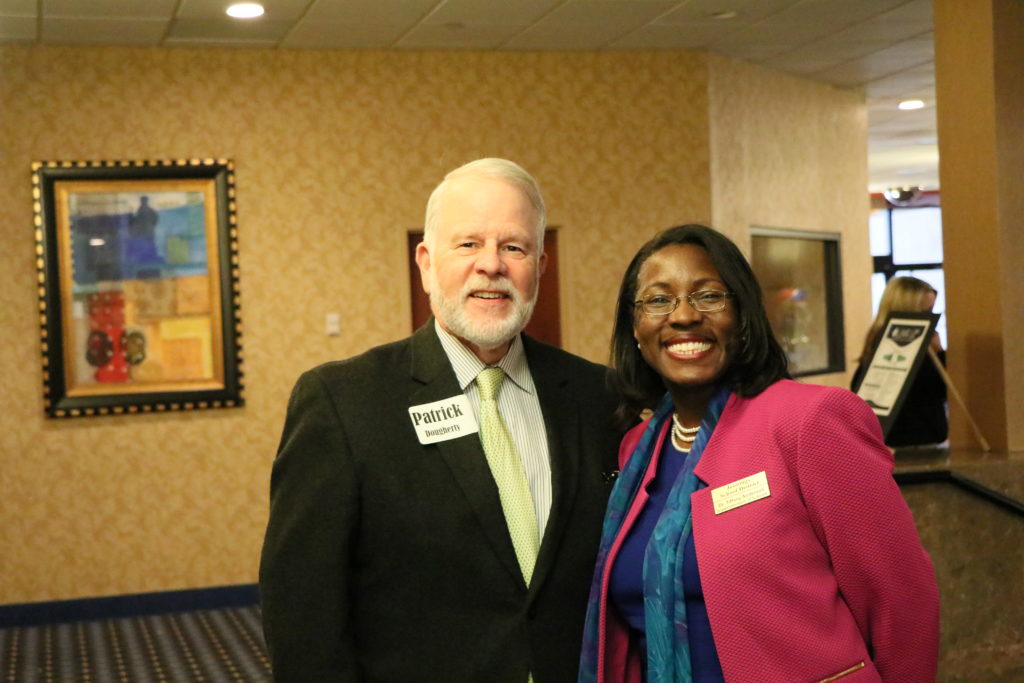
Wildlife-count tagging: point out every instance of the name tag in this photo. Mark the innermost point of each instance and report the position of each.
(740, 492)
(442, 420)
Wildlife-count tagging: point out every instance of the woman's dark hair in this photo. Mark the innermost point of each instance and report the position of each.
(756, 359)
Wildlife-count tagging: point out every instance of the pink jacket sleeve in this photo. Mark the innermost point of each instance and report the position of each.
(845, 476)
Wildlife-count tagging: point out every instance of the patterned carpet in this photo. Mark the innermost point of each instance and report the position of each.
(210, 645)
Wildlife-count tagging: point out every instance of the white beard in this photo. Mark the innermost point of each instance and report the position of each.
(490, 332)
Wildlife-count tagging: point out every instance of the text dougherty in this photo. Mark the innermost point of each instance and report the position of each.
(442, 420)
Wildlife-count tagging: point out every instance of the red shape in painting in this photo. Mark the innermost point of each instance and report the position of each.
(106, 315)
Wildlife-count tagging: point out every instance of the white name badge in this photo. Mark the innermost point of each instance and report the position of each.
(442, 420)
(740, 492)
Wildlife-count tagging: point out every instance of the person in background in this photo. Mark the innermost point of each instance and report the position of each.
(755, 532)
(922, 419)
(436, 503)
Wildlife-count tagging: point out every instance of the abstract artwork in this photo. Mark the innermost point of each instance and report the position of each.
(139, 296)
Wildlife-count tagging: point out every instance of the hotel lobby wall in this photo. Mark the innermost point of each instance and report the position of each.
(336, 153)
(788, 153)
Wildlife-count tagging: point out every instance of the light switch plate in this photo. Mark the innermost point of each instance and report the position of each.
(333, 325)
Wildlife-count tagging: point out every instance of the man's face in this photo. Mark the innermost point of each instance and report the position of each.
(484, 264)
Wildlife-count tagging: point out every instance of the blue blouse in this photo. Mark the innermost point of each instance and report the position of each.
(626, 586)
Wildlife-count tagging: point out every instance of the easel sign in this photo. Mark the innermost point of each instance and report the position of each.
(895, 359)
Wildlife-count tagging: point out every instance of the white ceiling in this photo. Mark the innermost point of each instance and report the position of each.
(881, 46)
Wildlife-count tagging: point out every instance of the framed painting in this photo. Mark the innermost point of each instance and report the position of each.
(138, 286)
(801, 281)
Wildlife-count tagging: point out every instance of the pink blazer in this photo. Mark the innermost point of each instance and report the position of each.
(822, 579)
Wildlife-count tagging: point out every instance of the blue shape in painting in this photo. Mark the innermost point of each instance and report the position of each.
(146, 244)
(96, 248)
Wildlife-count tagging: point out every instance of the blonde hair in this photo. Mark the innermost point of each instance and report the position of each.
(902, 294)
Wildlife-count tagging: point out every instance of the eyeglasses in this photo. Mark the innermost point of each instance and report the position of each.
(705, 301)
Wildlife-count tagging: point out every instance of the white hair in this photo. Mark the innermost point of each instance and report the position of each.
(497, 169)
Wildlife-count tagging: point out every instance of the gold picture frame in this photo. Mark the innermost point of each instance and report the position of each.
(139, 297)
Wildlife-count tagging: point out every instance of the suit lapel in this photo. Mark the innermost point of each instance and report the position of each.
(464, 456)
(711, 468)
(562, 423)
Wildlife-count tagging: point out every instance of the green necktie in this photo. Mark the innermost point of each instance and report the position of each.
(507, 469)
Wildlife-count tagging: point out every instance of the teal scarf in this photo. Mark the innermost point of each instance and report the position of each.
(668, 648)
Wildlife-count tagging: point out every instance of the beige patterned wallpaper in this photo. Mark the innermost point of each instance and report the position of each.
(789, 153)
(336, 153)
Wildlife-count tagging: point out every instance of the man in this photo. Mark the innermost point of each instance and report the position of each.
(427, 524)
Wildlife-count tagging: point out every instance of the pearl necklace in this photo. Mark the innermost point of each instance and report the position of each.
(684, 436)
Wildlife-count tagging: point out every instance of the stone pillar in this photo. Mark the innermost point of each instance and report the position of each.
(979, 69)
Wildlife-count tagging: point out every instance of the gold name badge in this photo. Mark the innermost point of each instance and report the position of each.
(740, 492)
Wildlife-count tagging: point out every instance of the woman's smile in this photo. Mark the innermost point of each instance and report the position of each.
(687, 347)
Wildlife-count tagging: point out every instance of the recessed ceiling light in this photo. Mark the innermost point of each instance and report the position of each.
(245, 10)
(911, 104)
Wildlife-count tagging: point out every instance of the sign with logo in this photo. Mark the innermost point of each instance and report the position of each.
(898, 353)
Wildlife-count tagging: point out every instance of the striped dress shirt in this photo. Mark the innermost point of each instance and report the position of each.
(519, 407)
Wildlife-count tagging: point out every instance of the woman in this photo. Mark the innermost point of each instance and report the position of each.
(922, 418)
(755, 532)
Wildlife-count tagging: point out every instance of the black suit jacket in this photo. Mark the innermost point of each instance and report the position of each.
(388, 560)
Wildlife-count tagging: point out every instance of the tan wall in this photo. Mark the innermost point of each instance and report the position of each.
(979, 65)
(335, 153)
(790, 153)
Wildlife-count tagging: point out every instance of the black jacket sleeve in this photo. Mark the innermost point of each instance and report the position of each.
(305, 564)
